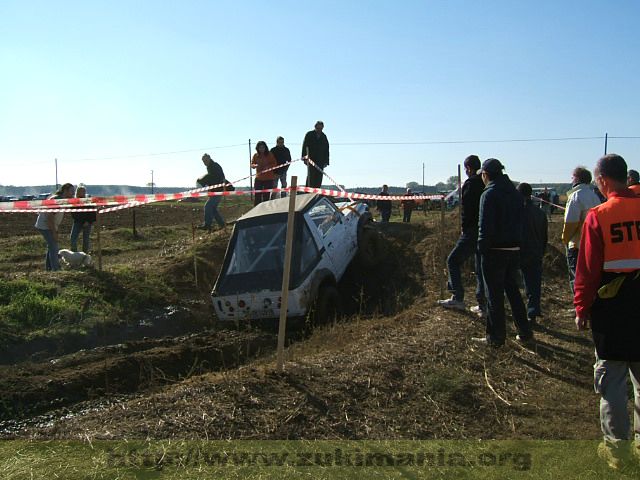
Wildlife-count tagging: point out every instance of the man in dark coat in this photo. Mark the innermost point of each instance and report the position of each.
(499, 239)
(214, 176)
(283, 156)
(467, 243)
(316, 147)
(532, 248)
(384, 206)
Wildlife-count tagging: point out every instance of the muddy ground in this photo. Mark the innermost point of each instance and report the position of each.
(397, 367)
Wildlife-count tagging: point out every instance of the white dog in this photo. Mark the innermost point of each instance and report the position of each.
(74, 259)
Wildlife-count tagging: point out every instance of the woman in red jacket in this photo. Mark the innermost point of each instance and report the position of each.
(263, 160)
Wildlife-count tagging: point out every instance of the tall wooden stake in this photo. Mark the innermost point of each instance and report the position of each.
(286, 272)
(442, 258)
(98, 228)
(195, 254)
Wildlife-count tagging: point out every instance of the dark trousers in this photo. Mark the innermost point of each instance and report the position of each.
(406, 217)
(385, 215)
(572, 262)
(262, 185)
(500, 272)
(314, 177)
(464, 248)
(532, 278)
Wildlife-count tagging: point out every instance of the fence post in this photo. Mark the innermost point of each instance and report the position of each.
(98, 228)
(285, 274)
(442, 257)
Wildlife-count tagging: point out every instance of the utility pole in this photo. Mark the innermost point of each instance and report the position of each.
(250, 173)
(606, 137)
(152, 184)
(423, 176)
(56, 161)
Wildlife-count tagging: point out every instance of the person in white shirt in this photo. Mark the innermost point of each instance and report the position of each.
(48, 224)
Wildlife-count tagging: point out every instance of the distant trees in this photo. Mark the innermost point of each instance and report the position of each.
(414, 186)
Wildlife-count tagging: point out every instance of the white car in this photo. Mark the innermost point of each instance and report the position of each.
(327, 237)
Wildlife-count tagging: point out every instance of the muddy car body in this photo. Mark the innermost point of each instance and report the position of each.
(327, 237)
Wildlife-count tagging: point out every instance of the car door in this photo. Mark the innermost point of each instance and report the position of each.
(329, 222)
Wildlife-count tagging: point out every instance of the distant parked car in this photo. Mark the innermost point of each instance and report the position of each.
(44, 196)
(27, 198)
(327, 238)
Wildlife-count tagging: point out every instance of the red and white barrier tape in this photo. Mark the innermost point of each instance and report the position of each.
(325, 174)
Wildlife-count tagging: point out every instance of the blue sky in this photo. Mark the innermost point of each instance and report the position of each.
(110, 87)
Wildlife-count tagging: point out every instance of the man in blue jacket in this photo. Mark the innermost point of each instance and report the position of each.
(534, 244)
(499, 238)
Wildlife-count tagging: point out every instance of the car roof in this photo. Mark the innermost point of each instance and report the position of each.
(279, 205)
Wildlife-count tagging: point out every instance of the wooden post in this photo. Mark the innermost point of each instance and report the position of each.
(442, 257)
(98, 228)
(286, 272)
(135, 233)
(195, 254)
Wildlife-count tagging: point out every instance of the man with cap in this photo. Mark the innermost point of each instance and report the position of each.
(534, 243)
(633, 181)
(214, 176)
(315, 147)
(467, 243)
(580, 199)
(607, 288)
(499, 238)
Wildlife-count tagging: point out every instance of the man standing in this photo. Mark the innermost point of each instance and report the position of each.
(467, 243)
(283, 156)
(214, 176)
(384, 206)
(532, 248)
(316, 147)
(408, 205)
(607, 288)
(633, 181)
(580, 199)
(499, 240)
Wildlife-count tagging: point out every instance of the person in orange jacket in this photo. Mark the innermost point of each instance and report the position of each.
(633, 181)
(262, 161)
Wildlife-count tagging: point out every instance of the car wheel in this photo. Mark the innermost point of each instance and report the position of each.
(369, 248)
(328, 305)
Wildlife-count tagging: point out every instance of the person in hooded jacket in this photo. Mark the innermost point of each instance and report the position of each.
(499, 239)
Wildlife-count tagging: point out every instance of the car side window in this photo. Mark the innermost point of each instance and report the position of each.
(324, 216)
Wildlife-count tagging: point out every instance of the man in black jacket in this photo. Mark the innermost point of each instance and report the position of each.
(532, 248)
(384, 206)
(466, 245)
(214, 176)
(316, 147)
(283, 156)
(499, 238)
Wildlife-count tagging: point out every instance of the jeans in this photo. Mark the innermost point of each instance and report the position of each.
(500, 272)
(85, 228)
(283, 184)
(572, 262)
(211, 211)
(51, 261)
(464, 248)
(610, 381)
(406, 217)
(532, 278)
(262, 185)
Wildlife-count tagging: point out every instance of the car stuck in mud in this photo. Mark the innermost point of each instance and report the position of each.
(328, 236)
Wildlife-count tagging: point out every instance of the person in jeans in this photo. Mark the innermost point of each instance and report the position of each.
(580, 199)
(384, 206)
(532, 248)
(263, 161)
(82, 222)
(466, 245)
(283, 157)
(407, 206)
(499, 238)
(48, 224)
(607, 288)
(214, 176)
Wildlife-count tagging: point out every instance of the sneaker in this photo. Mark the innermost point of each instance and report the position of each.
(479, 311)
(486, 342)
(609, 455)
(452, 303)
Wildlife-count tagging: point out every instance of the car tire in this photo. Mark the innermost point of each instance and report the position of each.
(328, 305)
(369, 248)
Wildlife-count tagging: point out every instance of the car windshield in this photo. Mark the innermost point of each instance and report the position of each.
(257, 256)
(259, 248)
